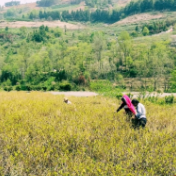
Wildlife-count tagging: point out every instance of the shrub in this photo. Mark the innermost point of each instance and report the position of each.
(44, 88)
(65, 86)
(18, 88)
(101, 86)
(169, 99)
(57, 33)
(36, 87)
(29, 87)
(50, 88)
(119, 96)
(8, 88)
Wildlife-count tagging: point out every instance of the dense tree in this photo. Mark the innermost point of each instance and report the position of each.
(47, 3)
(12, 3)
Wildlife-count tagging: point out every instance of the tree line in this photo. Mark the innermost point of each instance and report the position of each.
(98, 15)
(12, 3)
(48, 3)
(98, 3)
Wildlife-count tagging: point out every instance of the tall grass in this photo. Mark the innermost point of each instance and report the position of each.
(40, 135)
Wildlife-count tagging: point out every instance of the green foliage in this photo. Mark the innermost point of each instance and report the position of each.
(101, 86)
(47, 3)
(6, 29)
(169, 99)
(145, 31)
(8, 88)
(48, 58)
(18, 88)
(57, 33)
(134, 34)
(173, 80)
(119, 96)
(65, 86)
(106, 88)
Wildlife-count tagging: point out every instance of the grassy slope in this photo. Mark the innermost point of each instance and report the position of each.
(42, 136)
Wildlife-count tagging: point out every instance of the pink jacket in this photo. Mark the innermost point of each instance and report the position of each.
(129, 104)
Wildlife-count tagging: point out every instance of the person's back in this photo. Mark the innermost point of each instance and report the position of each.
(141, 112)
(140, 117)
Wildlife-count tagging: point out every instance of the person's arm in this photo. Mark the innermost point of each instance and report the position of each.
(121, 106)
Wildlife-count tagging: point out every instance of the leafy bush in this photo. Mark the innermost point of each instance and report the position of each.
(8, 88)
(119, 96)
(106, 88)
(44, 88)
(101, 86)
(169, 99)
(36, 87)
(50, 88)
(65, 86)
(29, 87)
(18, 88)
(57, 33)
(23, 87)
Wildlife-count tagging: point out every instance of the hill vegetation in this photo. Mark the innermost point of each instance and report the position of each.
(56, 59)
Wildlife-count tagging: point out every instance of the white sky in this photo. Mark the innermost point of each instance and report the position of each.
(2, 2)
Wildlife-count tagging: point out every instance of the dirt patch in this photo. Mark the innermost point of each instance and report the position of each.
(138, 18)
(123, 3)
(76, 94)
(18, 24)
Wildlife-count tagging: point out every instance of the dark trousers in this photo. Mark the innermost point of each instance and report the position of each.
(129, 114)
(136, 123)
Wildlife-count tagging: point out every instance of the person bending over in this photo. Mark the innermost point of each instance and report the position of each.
(140, 119)
(128, 106)
(67, 101)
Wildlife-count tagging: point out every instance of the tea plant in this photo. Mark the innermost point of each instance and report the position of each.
(40, 135)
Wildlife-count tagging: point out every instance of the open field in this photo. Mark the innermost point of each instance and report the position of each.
(40, 135)
(18, 24)
(121, 3)
(138, 18)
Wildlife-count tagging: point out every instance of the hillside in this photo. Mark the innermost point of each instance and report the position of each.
(144, 17)
(79, 49)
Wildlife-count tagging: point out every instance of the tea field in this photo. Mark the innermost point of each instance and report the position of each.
(42, 136)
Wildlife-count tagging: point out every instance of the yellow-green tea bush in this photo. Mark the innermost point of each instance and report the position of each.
(40, 135)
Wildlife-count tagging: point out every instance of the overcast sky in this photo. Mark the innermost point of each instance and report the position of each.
(2, 2)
